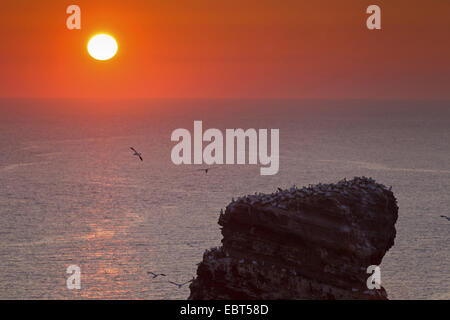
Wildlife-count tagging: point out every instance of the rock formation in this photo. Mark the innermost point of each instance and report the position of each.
(310, 243)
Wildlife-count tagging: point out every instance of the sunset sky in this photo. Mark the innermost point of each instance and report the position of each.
(227, 49)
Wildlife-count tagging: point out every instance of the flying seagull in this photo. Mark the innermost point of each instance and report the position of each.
(179, 285)
(448, 218)
(154, 275)
(206, 169)
(136, 153)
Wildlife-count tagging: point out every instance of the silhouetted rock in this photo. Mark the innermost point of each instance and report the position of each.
(309, 243)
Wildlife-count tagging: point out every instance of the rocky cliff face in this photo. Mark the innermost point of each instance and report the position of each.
(309, 243)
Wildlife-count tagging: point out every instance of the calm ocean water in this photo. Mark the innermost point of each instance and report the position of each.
(72, 193)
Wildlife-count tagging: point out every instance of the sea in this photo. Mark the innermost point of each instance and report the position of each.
(72, 193)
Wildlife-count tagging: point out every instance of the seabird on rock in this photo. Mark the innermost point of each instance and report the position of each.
(446, 217)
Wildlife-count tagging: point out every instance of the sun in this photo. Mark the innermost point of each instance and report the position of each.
(102, 47)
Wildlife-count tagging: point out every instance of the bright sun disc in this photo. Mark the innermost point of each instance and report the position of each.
(102, 47)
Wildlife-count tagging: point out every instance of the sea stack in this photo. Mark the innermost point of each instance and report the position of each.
(314, 242)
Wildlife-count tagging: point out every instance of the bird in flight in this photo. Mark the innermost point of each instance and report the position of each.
(136, 153)
(448, 218)
(206, 169)
(179, 285)
(154, 275)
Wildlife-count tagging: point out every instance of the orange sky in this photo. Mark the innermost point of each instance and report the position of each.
(233, 48)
